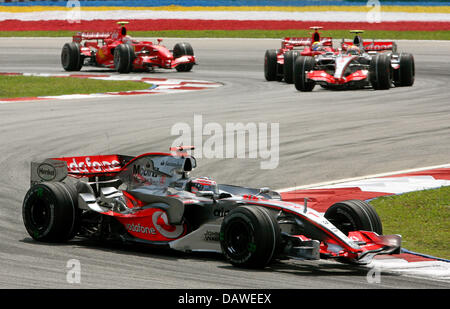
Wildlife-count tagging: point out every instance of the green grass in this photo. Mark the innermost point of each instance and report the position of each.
(31, 86)
(337, 34)
(422, 218)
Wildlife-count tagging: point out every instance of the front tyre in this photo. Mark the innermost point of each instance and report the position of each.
(380, 72)
(288, 67)
(50, 212)
(123, 58)
(271, 66)
(183, 49)
(250, 237)
(354, 215)
(404, 76)
(302, 65)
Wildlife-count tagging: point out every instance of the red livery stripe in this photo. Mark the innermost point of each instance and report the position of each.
(439, 173)
(200, 24)
(321, 199)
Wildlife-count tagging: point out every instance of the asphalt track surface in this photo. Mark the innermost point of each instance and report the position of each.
(324, 135)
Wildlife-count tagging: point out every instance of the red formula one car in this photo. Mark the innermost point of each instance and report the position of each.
(151, 199)
(279, 64)
(357, 64)
(117, 50)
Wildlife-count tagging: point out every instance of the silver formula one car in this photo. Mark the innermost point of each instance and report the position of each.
(151, 199)
(355, 65)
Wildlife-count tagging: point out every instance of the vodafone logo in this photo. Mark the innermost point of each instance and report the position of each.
(138, 228)
(161, 223)
(378, 47)
(88, 165)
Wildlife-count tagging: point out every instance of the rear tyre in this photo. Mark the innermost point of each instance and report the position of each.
(380, 72)
(354, 215)
(289, 61)
(405, 75)
(183, 49)
(71, 59)
(123, 58)
(50, 212)
(250, 237)
(302, 65)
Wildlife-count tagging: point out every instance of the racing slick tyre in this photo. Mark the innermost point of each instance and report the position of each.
(354, 215)
(380, 72)
(250, 237)
(50, 212)
(288, 67)
(405, 75)
(71, 59)
(183, 49)
(123, 58)
(271, 66)
(301, 66)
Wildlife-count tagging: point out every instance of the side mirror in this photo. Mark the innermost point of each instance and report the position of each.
(224, 195)
(264, 190)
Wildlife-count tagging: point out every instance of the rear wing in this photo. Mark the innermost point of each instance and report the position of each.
(80, 36)
(135, 171)
(289, 42)
(57, 169)
(372, 45)
(116, 34)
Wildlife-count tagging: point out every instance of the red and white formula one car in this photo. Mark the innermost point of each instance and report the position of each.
(151, 199)
(357, 64)
(117, 50)
(279, 64)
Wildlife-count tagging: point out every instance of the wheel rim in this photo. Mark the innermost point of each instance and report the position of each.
(344, 222)
(65, 57)
(238, 239)
(116, 59)
(40, 213)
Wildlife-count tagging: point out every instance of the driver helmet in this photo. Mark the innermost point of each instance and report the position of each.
(202, 184)
(316, 46)
(353, 50)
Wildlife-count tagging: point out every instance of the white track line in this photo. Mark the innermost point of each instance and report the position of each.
(334, 182)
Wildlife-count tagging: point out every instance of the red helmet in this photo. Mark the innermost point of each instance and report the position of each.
(353, 50)
(202, 184)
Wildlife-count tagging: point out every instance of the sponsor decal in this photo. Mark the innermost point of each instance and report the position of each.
(46, 172)
(138, 228)
(161, 223)
(212, 236)
(220, 212)
(378, 47)
(147, 170)
(89, 165)
(298, 41)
